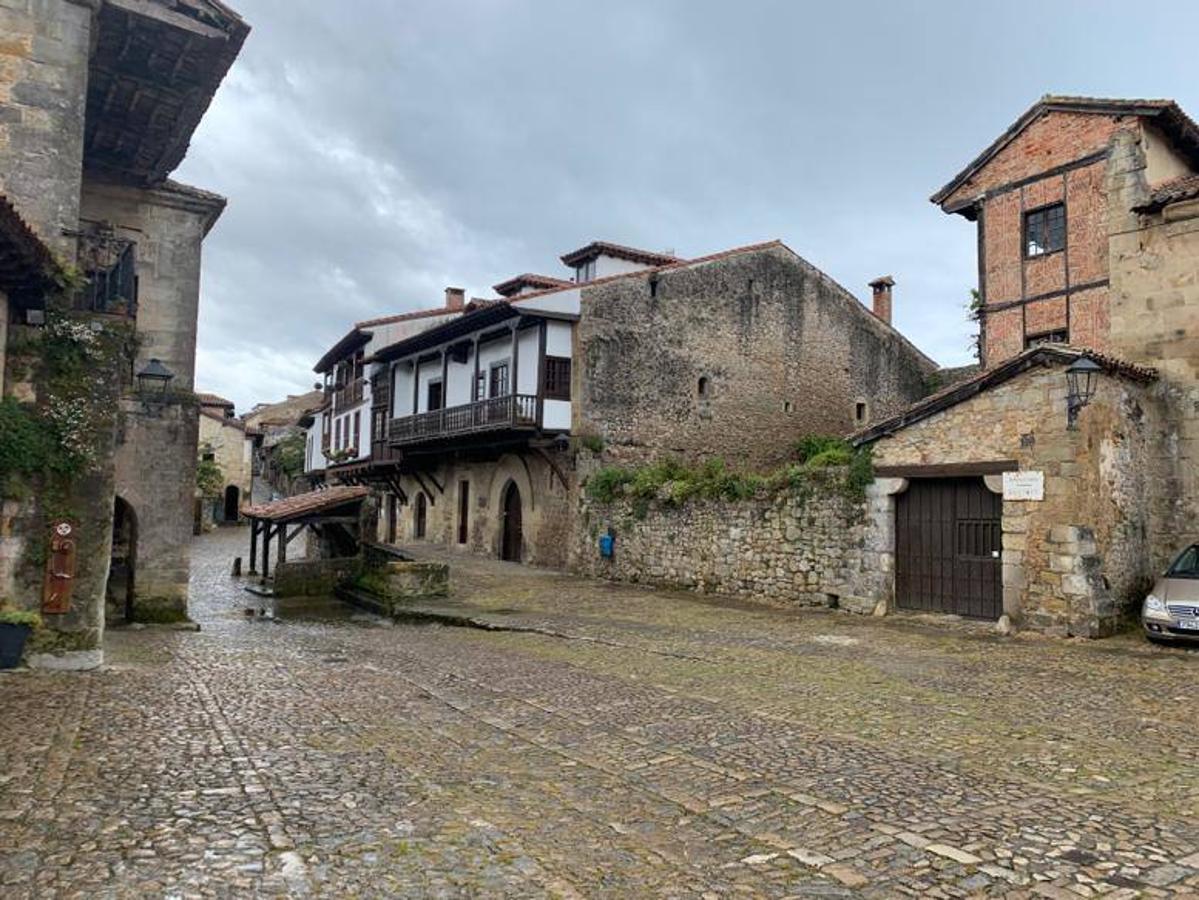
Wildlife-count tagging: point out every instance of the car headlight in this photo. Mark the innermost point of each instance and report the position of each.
(1154, 604)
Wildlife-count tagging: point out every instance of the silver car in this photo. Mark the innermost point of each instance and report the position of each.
(1171, 611)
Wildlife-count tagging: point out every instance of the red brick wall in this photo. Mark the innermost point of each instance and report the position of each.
(1009, 279)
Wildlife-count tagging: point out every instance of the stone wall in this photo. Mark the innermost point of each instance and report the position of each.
(546, 504)
(44, 51)
(314, 577)
(156, 476)
(737, 357)
(1155, 321)
(1077, 560)
(226, 440)
(805, 549)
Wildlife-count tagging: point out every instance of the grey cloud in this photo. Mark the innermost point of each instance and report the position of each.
(375, 152)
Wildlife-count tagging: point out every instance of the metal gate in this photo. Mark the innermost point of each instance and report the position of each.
(947, 548)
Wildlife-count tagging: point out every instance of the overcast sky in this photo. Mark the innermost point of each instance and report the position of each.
(376, 151)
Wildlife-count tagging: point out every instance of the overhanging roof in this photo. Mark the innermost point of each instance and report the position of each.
(485, 317)
(1166, 114)
(27, 267)
(306, 506)
(155, 67)
(604, 248)
(354, 340)
(1044, 355)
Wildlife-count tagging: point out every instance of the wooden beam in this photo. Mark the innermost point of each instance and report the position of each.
(255, 526)
(424, 487)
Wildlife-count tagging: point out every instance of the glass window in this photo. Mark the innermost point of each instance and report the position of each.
(1187, 565)
(557, 378)
(1045, 230)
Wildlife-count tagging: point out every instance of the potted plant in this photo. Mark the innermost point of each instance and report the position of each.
(15, 628)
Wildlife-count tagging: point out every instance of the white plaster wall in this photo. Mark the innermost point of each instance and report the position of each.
(459, 376)
(528, 345)
(558, 338)
(556, 415)
(401, 390)
(610, 265)
(1162, 161)
(567, 301)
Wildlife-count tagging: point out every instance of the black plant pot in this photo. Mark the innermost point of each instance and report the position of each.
(12, 644)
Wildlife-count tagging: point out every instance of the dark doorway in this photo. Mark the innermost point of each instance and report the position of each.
(392, 516)
(435, 395)
(510, 544)
(420, 517)
(123, 569)
(947, 548)
(463, 511)
(499, 380)
(232, 503)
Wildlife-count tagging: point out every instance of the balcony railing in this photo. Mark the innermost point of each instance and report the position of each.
(349, 394)
(512, 411)
(109, 264)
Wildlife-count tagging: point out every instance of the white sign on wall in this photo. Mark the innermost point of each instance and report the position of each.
(1023, 485)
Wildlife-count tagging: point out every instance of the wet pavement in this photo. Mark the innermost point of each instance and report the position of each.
(620, 743)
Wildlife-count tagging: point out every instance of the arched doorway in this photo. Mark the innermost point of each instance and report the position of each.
(511, 527)
(420, 514)
(232, 503)
(123, 568)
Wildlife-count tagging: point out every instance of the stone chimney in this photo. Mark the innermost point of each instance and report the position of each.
(455, 299)
(882, 297)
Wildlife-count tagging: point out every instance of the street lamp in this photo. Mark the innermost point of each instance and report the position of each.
(154, 378)
(1081, 379)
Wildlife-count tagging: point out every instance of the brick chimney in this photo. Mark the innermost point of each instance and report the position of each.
(882, 297)
(455, 299)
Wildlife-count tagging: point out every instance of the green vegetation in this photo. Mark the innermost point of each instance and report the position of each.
(592, 442)
(20, 617)
(289, 454)
(210, 480)
(829, 461)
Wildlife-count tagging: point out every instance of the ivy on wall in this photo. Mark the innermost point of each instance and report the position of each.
(818, 461)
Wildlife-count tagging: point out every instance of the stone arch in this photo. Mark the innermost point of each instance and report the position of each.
(512, 523)
(122, 572)
(509, 469)
(420, 516)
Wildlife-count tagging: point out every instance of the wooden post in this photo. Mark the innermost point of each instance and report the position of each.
(540, 392)
(255, 524)
(415, 385)
(266, 551)
(513, 402)
(282, 545)
(445, 383)
(476, 395)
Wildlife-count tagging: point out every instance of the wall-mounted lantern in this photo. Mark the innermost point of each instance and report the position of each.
(1081, 379)
(152, 383)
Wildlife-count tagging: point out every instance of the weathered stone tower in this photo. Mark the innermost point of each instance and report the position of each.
(98, 101)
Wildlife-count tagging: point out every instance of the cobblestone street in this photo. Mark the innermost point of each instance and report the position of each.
(607, 741)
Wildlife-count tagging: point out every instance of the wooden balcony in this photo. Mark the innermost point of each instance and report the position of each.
(512, 412)
(349, 394)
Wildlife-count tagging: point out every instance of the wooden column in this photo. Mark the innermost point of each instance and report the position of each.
(255, 524)
(445, 382)
(266, 551)
(282, 545)
(540, 392)
(515, 373)
(415, 385)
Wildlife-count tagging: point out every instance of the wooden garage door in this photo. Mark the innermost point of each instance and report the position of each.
(947, 542)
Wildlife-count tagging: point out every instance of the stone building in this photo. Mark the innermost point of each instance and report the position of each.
(1011, 493)
(223, 441)
(98, 101)
(643, 356)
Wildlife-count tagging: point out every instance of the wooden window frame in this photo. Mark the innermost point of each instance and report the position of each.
(506, 365)
(1043, 211)
(1044, 338)
(558, 374)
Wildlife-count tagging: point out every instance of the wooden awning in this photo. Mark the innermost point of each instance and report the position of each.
(312, 505)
